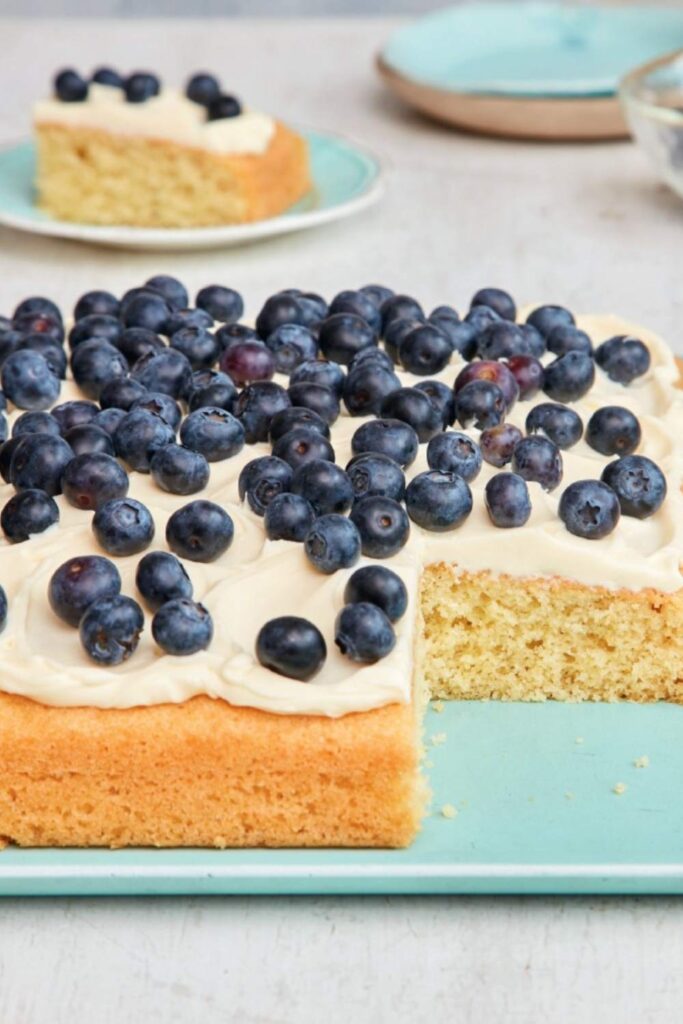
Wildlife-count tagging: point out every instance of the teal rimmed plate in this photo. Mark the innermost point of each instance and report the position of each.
(346, 179)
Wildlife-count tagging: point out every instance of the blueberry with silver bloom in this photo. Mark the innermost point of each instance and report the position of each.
(136, 342)
(613, 430)
(281, 308)
(222, 304)
(343, 335)
(214, 432)
(538, 459)
(181, 318)
(296, 416)
(121, 393)
(589, 509)
(109, 419)
(292, 647)
(507, 500)
(27, 380)
(161, 405)
(567, 338)
(139, 435)
(535, 340)
(94, 364)
(560, 424)
(375, 355)
(453, 452)
(414, 407)
(377, 293)
(291, 344)
(123, 526)
(100, 303)
(39, 323)
(638, 483)
(40, 460)
(395, 332)
(27, 513)
(547, 318)
(383, 526)
(35, 422)
(480, 403)
(569, 377)
(400, 307)
(375, 474)
(480, 317)
(363, 633)
(623, 358)
(88, 437)
(366, 388)
(502, 339)
(388, 437)
(199, 346)
(497, 299)
(318, 397)
(70, 414)
(441, 396)
(200, 531)
(178, 470)
(37, 305)
(168, 371)
(52, 352)
(498, 443)
(110, 629)
(438, 501)
(359, 304)
(332, 543)
(325, 485)
(211, 387)
(288, 517)
(149, 309)
(319, 371)
(182, 627)
(301, 445)
(79, 582)
(425, 351)
(380, 586)
(262, 479)
(255, 407)
(161, 577)
(95, 325)
(91, 479)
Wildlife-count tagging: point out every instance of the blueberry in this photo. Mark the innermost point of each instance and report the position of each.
(566, 338)
(109, 419)
(27, 380)
(560, 424)
(332, 543)
(95, 363)
(181, 318)
(139, 435)
(490, 370)
(496, 299)
(379, 586)
(501, 340)
(375, 355)
(53, 353)
(613, 430)
(373, 474)
(395, 332)
(623, 358)
(366, 388)
(343, 335)
(160, 405)
(231, 334)
(461, 335)
(453, 452)
(301, 445)
(7, 451)
(92, 479)
(498, 443)
(70, 87)
(569, 377)
(388, 437)
(170, 289)
(96, 303)
(167, 371)
(79, 582)
(589, 509)
(202, 88)
(150, 311)
(377, 293)
(132, 295)
(248, 362)
(39, 323)
(383, 526)
(546, 318)
(317, 397)
(319, 371)
(415, 408)
(507, 500)
(445, 312)
(364, 633)
(198, 345)
(296, 416)
(136, 342)
(88, 437)
(9, 343)
(325, 485)
(39, 461)
(35, 423)
(481, 317)
(438, 501)
(291, 344)
(4, 429)
(288, 517)
(3, 608)
(211, 387)
(424, 351)
(528, 373)
(123, 526)
(223, 106)
(256, 406)
(481, 403)
(262, 479)
(27, 513)
(638, 483)
(201, 531)
(279, 309)
(107, 76)
(359, 304)
(222, 304)
(441, 397)
(95, 325)
(110, 629)
(70, 414)
(37, 305)
(160, 577)
(292, 647)
(400, 307)
(536, 458)
(141, 86)
(213, 432)
(178, 470)
(121, 393)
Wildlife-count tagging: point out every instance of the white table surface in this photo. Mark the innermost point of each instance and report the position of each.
(583, 225)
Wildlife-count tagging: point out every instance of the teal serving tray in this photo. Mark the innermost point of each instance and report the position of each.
(537, 812)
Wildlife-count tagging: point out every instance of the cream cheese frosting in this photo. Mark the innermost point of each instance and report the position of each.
(257, 579)
(169, 117)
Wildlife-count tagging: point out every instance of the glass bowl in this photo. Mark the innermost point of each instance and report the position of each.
(652, 98)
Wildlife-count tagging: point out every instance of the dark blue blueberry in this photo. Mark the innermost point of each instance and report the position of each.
(296, 416)
(383, 526)
(375, 355)
(291, 344)
(567, 338)
(139, 435)
(91, 479)
(364, 633)
(160, 577)
(498, 443)
(131, 295)
(445, 312)
(149, 310)
(110, 629)
(95, 363)
(366, 388)
(314, 308)
(613, 430)
(248, 362)
(109, 419)
(198, 345)
(481, 317)
(201, 531)
(281, 308)
(325, 485)
(3, 608)
(438, 501)
(39, 323)
(535, 340)
(223, 106)
(70, 414)
(424, 351)
(288, 517)
(202, 88)
(79, 582)
(70, 87)
(497, 373)
(480, 403)
(415, 408)
(37, 305)
(332, 543)
(27, 513)
(528, 373)
(171, 289)
(167, 371)
(395, 332)
(496, 299)
(262, 479)
(546, 318)
(107, 76)
(462, 337)
(320, 399)
(360, 305)
(569, 377)
(182, 627)
(589, 509)
(96, 303)
(343, 335)
(121, 393)
(292, 647)
(372, 474)
(35, 423)
(123, 526)
(441, 397)
(141, 86)
(3, 402)
(507, 500)
(394, 438)
(9, 342)
(7, 451)
(503, 339)
(536, 458)
(4, 429)
(379, 586)
(301, 445)
(136, 342)
(53, 353)
(180, 318)
(160, 405)
(232, 334)
(638, 483)
(39, 460)
(377, 293)
(179, 471)
(255, 407)
(211, 387)
(623, 358)
(222, 304)
(560, 424)
(319, 371)
(400, 307)
(95, 325)
(88, 437)
(215, 433)
(27, 380)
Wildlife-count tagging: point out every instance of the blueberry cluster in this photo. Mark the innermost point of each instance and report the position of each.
(139, 86)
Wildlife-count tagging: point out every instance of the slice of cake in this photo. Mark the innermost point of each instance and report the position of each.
(238, 560)
(115, 151)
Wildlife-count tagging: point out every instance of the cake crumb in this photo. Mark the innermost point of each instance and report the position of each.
(642, 762)
(619, 788)
(579, 739)
(438, 706)
(449, 811)
(438, 738)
